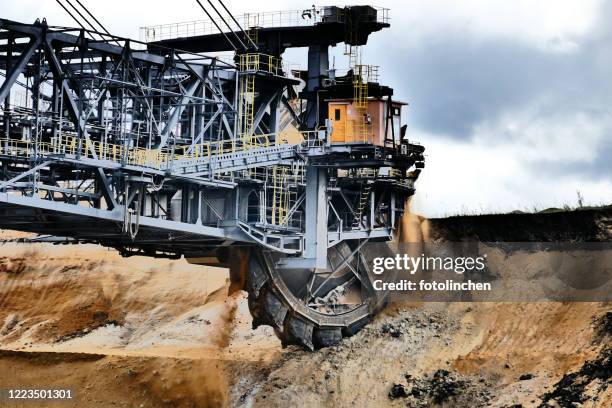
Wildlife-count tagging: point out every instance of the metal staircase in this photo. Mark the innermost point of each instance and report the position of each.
(364, 197)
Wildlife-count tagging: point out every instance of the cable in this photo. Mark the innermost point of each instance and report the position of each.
(96, 20)
(79, 22)
(228, 26)
(216, 25)
(94, 17)
(238, 24)
(74, 18)
(83, 17)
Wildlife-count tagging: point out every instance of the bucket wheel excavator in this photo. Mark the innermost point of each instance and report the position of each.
(200, 141)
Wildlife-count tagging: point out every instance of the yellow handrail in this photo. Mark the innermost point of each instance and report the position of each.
(156, 158)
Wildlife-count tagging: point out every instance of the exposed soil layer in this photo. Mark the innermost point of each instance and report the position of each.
(155, 333)
(583, 225)
(589, 383)
(99, 380)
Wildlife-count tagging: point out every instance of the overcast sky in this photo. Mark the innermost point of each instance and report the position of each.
(512, 99)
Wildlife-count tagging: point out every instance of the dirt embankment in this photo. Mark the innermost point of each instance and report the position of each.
(583, 225)
(155, 333)
(469, 355)
(101, 380)
(126, 331)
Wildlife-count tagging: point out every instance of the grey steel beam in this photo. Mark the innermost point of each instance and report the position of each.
(65, 191)
(34, 169)
(177, 112)
(337, 237)
(318, 67)
(315, 237)
(116, 215)
(24, 58)
(106, 189)
(58, 73)
(202, 131)
(345, 261)
(290, 109)
(263, 107)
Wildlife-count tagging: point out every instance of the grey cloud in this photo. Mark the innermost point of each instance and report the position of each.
(599, 169)
(455, 83)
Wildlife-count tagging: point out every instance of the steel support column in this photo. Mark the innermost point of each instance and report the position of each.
(318, 67)
(315, 238)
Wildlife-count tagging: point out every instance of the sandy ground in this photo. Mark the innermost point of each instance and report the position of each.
(139, 332)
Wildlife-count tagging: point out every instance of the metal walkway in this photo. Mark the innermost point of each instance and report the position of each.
(236, 161)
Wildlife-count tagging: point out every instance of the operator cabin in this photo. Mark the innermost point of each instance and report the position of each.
(375, 123)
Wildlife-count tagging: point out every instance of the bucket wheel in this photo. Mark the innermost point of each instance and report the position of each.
(314, 308)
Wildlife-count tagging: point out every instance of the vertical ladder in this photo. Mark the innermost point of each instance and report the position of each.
(354, 55)
(246, 107)
(248, 62)
(252, 27)
(280, 196)
(361, 77)
(283, 182)
(360, 101)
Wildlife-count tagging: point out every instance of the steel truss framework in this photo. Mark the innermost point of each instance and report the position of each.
(145, 149)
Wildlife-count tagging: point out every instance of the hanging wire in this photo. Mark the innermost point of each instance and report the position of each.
(85, 20)
(96, 20)
(93, 17)
(228, 26)
(239, 26)
(93, 28)
(216, 25)
(75, 19)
